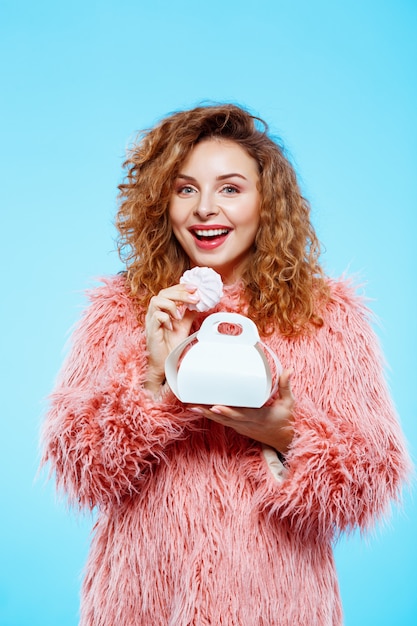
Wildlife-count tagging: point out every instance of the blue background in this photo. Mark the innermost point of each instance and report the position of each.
(337, 80)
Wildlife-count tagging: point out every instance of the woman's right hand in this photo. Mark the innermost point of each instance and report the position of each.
(167, 323)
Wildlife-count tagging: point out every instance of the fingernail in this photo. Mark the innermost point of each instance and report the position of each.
(190, 288)
(196, 409)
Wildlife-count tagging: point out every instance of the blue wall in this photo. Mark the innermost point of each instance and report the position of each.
(336, 80)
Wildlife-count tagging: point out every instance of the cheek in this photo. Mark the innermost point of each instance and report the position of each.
(177, 225)
(174, 215)
(251, 216)
(252, 227)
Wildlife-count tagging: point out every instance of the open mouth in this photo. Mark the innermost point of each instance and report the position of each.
(211, 234)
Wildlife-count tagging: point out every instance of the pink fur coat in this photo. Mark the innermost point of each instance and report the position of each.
(198, 525)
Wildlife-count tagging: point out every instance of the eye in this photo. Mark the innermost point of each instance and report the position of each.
(185, 190)
(229, 189)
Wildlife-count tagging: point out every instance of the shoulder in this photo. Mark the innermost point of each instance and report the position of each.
(346, 338)
(347, 319)
(110, 289)
(110, 302)
(346, 301)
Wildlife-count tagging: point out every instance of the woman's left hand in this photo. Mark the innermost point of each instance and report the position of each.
(271, 424)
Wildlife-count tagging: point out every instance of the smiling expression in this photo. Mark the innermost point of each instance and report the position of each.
(214, 208)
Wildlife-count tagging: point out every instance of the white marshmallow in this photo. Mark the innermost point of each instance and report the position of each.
(209, 287)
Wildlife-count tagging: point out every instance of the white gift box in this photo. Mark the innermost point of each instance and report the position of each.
(226, 369)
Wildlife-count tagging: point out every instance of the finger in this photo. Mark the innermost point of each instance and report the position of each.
(221, 410)
(237, 414)
(181, 293)
(285, 392)
(172, 302)
(285, 381)
(158, 320)
(219, 414)
(159, 303)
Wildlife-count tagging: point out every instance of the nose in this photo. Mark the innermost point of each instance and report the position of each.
(206, 206)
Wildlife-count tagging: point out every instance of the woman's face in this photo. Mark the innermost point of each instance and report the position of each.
(215, 206)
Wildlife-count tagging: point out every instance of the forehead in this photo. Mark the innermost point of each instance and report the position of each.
(219, 154)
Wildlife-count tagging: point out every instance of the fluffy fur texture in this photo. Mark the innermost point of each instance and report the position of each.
(193, 526)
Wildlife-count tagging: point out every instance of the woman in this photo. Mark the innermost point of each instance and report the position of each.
(220, 515)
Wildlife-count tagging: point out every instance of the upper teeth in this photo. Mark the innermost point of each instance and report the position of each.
(213, 232)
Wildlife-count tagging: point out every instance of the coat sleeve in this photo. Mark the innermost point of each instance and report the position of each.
(348, 458)
(103, 431)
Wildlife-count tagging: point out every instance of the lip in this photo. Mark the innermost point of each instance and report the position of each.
(215, 241)
(209, 227)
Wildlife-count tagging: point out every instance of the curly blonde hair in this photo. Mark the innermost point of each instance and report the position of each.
(284, 282)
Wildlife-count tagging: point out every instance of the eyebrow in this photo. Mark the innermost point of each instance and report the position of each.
(222, 177)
